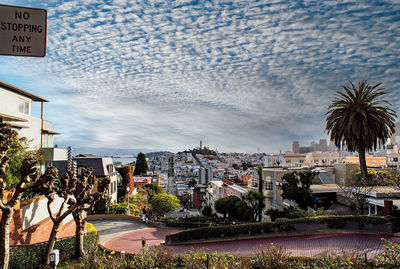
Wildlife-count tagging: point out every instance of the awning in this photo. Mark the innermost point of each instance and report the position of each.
(50, 132)
(17, 126)
(5, 117)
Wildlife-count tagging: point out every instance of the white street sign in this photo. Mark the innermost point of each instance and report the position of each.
(23, 31)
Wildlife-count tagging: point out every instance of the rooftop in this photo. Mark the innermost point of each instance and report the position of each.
(22, 92)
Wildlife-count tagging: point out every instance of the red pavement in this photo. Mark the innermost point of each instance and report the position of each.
(304, 245)
(131, 242)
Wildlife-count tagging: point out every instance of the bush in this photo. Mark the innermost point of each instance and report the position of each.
(30, 256)
(120, 208)
(99, 259)
(270, 257)
(200, 259)
(194, 222)
(391, 254)
(154, 257)
(90, 228)
(289, 213)
(353, 260)
(207, 211)
(282, 224)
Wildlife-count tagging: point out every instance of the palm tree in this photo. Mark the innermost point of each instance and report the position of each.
(360, 120)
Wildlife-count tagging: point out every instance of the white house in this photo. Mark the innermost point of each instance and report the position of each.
(15, 109)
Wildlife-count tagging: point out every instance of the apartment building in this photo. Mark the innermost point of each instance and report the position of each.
(372, 161)
(310, 159)
(16, 109)
(102, 167)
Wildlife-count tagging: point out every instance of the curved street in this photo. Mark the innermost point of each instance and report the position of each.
(126, 235)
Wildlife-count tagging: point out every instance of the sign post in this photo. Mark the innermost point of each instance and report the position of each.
(23, 31)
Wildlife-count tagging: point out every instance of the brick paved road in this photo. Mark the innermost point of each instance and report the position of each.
(131, 242)
(304, 245)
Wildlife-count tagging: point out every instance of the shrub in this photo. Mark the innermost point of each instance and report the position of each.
(90, 228)
(200, 259)
(207, 211)
(282, 224)
(30, 256)
(154, 257)
(193, 222)
(99, 259)
(270, 257)
(391, 254)
(120, 208)
(353, 260)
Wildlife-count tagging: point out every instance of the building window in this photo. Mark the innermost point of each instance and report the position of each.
(269, 186)
(24, 107)
(110, 168)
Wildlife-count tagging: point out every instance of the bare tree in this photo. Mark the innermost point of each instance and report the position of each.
(29, 179)
(356, 194)
(77, 199)
(86, 199)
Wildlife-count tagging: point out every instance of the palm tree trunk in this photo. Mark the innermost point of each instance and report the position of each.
(5, 236)
(364, 175)
(51, 242)
(363, 165)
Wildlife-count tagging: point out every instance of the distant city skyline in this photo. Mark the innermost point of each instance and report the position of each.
(238, 75)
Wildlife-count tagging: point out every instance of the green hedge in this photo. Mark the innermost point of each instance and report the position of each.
(281, 224)
(193, 222)
(30, 256)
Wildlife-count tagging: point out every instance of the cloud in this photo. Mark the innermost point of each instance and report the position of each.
(239, 74)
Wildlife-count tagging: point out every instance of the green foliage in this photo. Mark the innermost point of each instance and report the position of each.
(360, 120)
(377, 178)
(227, 206)
(253, 199)
(207, 211)
(151, 190)
(262, 257)
(155, 257)
(181, 223)
(289, 213)
(126, 173)
(121, 208)
(200, 259)
(99, 259)
(390, 255)
(163, 203)
(30, 256)
(193, 222)
(19, 150)
(343, 260)
(154, 187)
(243, 211)
(270, 257)
(281, 224)
(296, 186)
(141, 166)
(220, 231)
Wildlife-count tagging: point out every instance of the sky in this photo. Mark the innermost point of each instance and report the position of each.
(241, 76)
